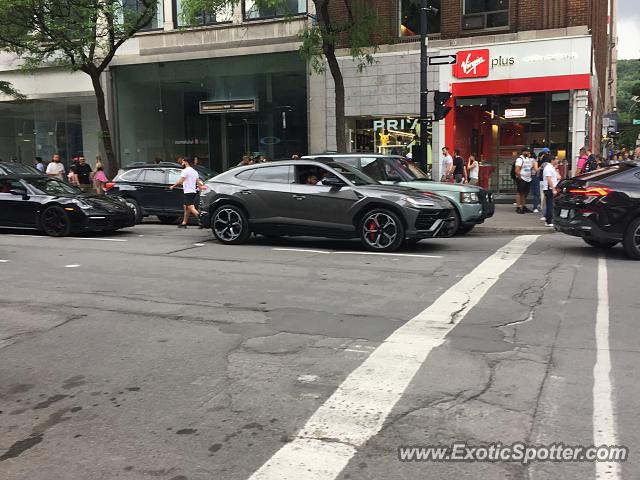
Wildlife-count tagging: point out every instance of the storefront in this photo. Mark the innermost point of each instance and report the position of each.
(508, 96)
(59, 116)
(391, 135)
(215, 109)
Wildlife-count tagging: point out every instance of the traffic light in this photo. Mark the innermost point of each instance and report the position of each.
(440, 100)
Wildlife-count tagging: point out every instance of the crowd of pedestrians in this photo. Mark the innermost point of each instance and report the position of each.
(79, 173)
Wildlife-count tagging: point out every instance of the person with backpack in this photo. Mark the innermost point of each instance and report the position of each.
(524, 169)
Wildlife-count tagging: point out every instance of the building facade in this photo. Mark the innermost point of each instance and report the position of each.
(529, 72)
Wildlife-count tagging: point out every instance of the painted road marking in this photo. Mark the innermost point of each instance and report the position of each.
(300, 250)
(389, 254)
(307, 250)
(198, 244)
(71, 266)
(4, 261)
(358, 408)
(604, 423)
(99, 239)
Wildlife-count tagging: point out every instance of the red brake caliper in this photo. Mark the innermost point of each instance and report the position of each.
(372, 230)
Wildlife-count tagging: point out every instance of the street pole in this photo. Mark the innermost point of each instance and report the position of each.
(424, 87)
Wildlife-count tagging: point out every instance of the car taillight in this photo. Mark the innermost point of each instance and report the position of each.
(108, 185)
(591, 191)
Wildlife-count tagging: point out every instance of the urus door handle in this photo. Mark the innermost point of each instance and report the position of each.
(246, 192)
(299, 197)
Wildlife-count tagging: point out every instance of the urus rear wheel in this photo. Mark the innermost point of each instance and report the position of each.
(381, 230)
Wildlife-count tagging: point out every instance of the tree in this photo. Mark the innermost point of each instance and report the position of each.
(76, 35)
(7, 89)
(351, 24)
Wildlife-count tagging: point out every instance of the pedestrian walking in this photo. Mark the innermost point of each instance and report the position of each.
(55, 168)
(446, 165)
(473, 170)
(40, 165)
(459, 170)
(99, 179)
(551, 179)
(190, 181)
(523, 171)
(636, 154)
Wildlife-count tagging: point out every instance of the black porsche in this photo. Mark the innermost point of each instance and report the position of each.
(37, 202)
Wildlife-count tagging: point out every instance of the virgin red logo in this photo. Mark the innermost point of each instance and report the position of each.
(472, 64)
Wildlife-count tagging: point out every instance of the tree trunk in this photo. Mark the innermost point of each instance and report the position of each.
(336, 73)
(329, 51)
(109, 163)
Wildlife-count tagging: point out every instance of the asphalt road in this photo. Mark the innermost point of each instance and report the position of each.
(157, 353)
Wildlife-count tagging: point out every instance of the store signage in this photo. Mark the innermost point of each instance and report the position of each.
(636, 121)
(472, 64)
(515, 113)
(403, 124)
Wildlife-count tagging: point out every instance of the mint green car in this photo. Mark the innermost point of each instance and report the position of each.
(473, 204)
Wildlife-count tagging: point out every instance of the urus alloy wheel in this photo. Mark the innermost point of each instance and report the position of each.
(381, 230)
(230, 225)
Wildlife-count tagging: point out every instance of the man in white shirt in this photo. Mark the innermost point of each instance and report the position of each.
(446, 165)
(55, 168)
(190, 181)
(551, 179)
(525, 166)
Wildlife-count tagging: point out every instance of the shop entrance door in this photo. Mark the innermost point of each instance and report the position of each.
(231, 136)
(512, 137)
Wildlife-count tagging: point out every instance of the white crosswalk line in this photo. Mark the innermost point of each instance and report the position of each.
(358, 408)
(604, 425)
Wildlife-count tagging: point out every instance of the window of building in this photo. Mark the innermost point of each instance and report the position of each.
(136, 7)
(410, 17)
(222, 15)
(288, 7)
(480, 14)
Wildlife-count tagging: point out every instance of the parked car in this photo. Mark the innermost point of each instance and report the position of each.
(602, 207)
(37, 202)
(145, 186)
(319, 198)
(10, 168)
(473, 205)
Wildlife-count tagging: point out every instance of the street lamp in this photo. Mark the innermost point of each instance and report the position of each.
(425, 9)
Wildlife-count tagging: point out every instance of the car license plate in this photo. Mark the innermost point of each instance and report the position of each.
(564, 213)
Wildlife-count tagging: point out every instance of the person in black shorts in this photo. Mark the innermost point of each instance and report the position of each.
(190, 181)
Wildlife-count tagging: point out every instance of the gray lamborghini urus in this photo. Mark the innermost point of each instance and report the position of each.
(322, 198)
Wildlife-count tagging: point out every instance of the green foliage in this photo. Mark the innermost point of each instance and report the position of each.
(356, 32)
(73, 34)
(628, 86)
(7, 89)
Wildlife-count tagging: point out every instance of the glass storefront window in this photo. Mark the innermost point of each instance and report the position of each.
(134, 6)
(252, 11)
(158, 114)
(410, 18)
(479, 14)
(496, 128)
(223, 15)
(39, 128)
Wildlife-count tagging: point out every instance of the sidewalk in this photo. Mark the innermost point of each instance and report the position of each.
(506, 220)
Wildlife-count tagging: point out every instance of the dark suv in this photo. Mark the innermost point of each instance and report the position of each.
(320, 198)
(145, 187)
(602, 207)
